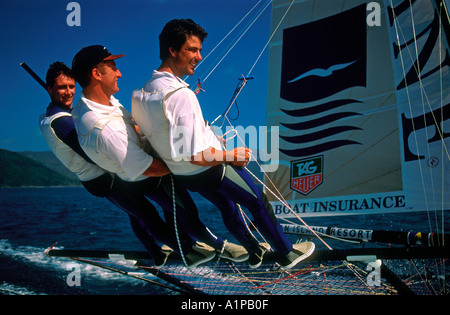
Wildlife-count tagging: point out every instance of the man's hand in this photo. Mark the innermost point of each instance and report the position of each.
(241, 156)
(211, 157)
(223, 141)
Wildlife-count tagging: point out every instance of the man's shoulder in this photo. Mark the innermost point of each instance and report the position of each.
(157, 84)
(62, 119)
(161, 81)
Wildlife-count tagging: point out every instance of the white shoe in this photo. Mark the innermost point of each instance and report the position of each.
(298, 253)
(255, 260)
(199, 256)
(233, 252)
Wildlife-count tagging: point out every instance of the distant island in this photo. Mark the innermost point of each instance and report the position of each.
(31, 169)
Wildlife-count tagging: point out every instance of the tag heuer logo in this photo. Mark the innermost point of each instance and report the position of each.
(307, 174)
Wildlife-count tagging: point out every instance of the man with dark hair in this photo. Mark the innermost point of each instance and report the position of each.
(175, 33)
(109, 136)
(169, 114)
(59, 132)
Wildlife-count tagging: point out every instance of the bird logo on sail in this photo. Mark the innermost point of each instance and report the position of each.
(330, 55)
(322, 72)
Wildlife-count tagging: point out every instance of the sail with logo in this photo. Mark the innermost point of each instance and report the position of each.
(360, 92)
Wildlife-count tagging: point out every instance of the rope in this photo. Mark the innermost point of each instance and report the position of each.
(244, 215)
(425, 99)
(220, 255)
(174, 203)
(252, 21)
(238, 90)
(283, 201)
(237, 93)
(236, 41)
(271, 36)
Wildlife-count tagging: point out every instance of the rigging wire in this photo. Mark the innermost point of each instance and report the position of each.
(397, 27)
(240, 35)
(246, 78)
(422, 91)
(441, 79)
(239, 89)
(442, 10)
(235, 96)
(279, 197)
(399, 31)
(270, 38)
(231, 31)
(425, 100)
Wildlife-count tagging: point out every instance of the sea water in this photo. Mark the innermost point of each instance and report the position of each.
(33, 219)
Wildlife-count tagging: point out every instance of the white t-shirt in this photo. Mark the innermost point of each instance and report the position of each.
(169, 115)
(107, 135)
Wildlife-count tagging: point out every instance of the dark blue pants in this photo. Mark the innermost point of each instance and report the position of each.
(234, 186)
(187, 217)
(140, 230)
(145, 221)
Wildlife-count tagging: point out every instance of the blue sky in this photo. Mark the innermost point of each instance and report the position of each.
(36, 32)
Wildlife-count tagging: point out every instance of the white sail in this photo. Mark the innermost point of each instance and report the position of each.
(355, 136)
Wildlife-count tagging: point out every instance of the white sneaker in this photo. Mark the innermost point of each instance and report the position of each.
(255, 260)
(233, 252)
(298, 253)
(199, 256)
(161, 260)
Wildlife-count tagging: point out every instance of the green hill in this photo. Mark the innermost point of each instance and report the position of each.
(18, 170)
(49, 159)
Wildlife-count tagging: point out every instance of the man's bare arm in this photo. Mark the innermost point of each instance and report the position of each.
(213, 157)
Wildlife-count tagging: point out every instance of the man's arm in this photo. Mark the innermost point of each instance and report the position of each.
(188, 122)
(212, 157)
(127, 153)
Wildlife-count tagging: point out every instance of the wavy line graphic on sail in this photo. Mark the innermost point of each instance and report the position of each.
(317, 67)
(322, 72)
(315, 136)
